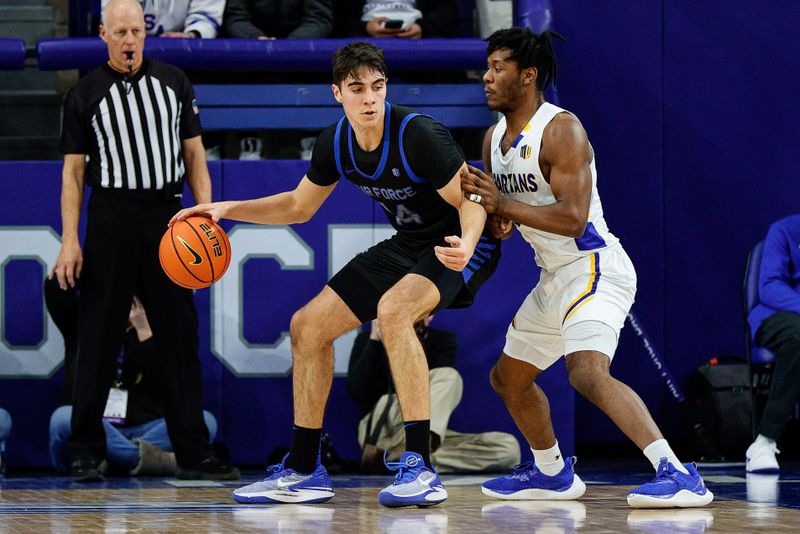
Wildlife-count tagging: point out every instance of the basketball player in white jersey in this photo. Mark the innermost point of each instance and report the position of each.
(540, 175)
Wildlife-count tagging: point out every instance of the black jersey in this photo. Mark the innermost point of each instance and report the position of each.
(416, 157)
(131, 128)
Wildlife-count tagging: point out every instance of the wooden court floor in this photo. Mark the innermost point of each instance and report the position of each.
(52, 504)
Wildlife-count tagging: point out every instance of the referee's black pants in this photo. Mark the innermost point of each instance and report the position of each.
(121, 259)
(780, 333)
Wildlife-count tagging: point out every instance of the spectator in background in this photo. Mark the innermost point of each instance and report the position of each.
(776, 323)
(136, 436)
(381, 429)
(5, 430)
(408, 19)
(278, 19)
(181, 18)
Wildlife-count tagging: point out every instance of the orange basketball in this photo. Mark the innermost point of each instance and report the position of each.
(195, 252)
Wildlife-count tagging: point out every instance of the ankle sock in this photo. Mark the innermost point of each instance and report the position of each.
(549, 461)
(305, 449)
(418, 435)
(661, 449)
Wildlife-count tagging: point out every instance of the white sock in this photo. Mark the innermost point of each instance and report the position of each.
(549, 461)
(660, 449)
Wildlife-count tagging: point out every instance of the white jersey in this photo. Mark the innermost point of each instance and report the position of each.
(518, 176)
(202, 16)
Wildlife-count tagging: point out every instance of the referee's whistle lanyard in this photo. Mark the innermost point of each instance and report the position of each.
(126, 77)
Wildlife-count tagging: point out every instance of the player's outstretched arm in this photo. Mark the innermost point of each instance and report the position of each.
(290, 207)
(473, 219)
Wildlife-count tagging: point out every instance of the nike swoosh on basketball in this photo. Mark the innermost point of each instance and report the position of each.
(197, 259)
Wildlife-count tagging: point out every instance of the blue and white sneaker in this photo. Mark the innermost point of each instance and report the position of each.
(285, 485)
(414, 484)
(526, 482)
(672, 489)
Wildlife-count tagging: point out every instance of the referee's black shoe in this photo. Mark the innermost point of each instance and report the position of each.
(86, 470)
(212, 468)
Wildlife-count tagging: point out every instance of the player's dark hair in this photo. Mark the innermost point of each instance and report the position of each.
(529, 50)
(352, 58)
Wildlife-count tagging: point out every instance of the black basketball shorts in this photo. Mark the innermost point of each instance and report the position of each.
(363, 281)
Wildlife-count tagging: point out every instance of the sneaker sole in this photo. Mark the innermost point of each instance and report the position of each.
(682, 499)
(424, 500)
(575, 491)
(284, 497)
(765, 471)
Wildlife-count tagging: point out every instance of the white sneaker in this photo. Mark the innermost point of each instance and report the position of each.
(414, 484)
(760, 456)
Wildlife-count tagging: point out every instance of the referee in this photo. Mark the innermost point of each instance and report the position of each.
(131, 130)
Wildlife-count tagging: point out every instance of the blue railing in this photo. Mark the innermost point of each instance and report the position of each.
(277, 55)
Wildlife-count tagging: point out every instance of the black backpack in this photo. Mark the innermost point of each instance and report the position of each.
(722, 399)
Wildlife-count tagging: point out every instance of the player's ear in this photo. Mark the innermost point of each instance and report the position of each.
(337, 93)
(529, 75)
(103, 34)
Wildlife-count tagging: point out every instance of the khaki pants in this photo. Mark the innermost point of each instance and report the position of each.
(458, 452)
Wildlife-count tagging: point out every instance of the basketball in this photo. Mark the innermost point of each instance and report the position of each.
(194, 252)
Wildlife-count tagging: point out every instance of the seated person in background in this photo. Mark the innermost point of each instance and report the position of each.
(136, 432)
(776, 324)
(381, 428)
(409, 19)
(181, 18)
(278, 19)
(5, 430)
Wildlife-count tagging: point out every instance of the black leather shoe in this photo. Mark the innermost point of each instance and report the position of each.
(212, 468)
(86, 470)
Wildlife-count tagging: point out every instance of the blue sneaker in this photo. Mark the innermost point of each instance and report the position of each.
(414, 484)
(527, 482)
(285, 485)
(672, 489)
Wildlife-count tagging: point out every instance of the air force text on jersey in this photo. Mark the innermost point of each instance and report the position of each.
(389, 193)
(516, 182)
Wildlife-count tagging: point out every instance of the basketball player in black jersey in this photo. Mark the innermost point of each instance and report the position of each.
(437, 259)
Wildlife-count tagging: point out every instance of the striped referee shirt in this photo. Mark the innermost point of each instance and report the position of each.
(131, 128)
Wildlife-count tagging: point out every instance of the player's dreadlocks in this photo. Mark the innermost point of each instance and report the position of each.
(529, 50)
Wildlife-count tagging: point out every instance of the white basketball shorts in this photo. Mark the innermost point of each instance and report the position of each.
(599, 287)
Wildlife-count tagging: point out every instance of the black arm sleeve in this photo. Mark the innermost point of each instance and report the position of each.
(367, 372)
(432, 153)
(74, 125)
(323, 170)
(439, 18)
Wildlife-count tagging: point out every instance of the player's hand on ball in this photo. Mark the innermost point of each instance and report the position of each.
(214, 211)
(477, 182)
(457, 255)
